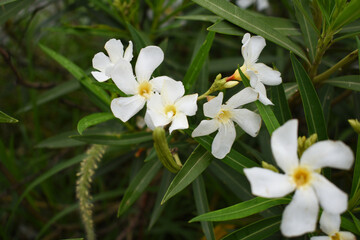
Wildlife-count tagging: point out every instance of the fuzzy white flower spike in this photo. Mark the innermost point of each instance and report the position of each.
(105, 64)
(171, 106)
(141, 88)
(223, 118)
(311, 188)
(330, 224)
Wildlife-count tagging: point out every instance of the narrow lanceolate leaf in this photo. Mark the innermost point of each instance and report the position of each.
(311, 103)
(78, 73)
(257, 231)
(92, 120)
(351, 82)
(265, 111)
(125, 139)
(198, 161)
(234, 159)
(227, 28)
(140, 40)
(349, 225)
(350, 13)
(355, 187)
(202, 206)
(281, 106)
(138, 184)
(241, 210)
(61, 140)
(4, 118)
(248, 21)
(198, 61)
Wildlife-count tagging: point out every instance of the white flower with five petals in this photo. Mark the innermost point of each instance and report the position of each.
(105, 64)
(171, 107)
(261, 4)
(141, 88)
(330, 224)
(258, 73)
(223, 118)
(310, 187)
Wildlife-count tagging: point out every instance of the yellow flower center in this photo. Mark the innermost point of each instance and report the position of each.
(145, 89)
(336, 236)
(301, 176)
(223, 116)
(170, 111)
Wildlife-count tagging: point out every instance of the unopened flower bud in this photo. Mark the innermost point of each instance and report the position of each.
(231, 84)
(269, 166)
(355, 124)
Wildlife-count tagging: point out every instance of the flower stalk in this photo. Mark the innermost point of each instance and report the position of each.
(83, 185)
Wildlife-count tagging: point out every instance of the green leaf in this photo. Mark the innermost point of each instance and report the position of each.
(12, 8)
(4, 118)
(92, 120)
(304, 12)
(257, 231)
(140, 40)
(350, 13)
(290, 89)
(197, 162)
(202, 206)
(349, 225)
(234, 159)
(281, 106)
(138, 184)
(351, 82)
(56, 92)
(78, 73)
(3, 2)
(125, 139)
(265, 111)
(355, 187)
(204, 18)
(306, 25)
(356, 221)
(198, 61)
(246, 20)
(241, 210)
(311, 103)
(61, 140)
(227, 28)
(326, 8)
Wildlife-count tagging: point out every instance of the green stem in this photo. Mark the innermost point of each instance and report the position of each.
(346, 60)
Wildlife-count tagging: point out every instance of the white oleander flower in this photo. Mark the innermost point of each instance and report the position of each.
(258, 73)
(330, 224)
(311, 188)
(171, 106)
(141, 88)
(223, 118)
(260, 4)
(105, 64)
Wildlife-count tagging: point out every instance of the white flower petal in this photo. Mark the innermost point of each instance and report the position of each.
(331, 198)
(328, 153)
(300, 216)
(267, 75)
(284, 145)
(264, 100)
(212, 107)
(99, 76)
(249, 121)
(262, 4)
(123, 77)
(251, 50)
(115, 49)
(205, 127)
(320, 238)
(260, 88)
(347, 236)
(155, 109)
(158, 82)
(330, 223)
(187, 104)
(244, 3)
(148, 60)
(128, 55)
(126, 107)
(179, 122)
(268, 184)
(148, 121)
(171, 91)
(223, 140)
(101, 62)
(247, 95)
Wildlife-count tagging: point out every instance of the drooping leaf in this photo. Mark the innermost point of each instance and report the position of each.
(92, 120)
(139, 184)
(197, 162)
(202, 206)
(256, 231)
(246, 20)
(4, 118)
(351, 82)
(241, 210)
(311, 103)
